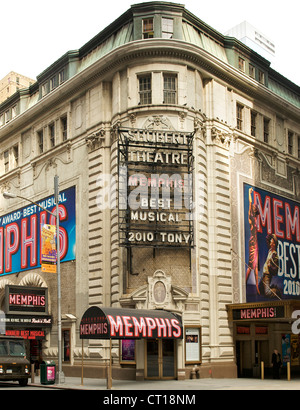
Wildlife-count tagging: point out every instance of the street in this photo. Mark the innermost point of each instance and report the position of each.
(16, 386)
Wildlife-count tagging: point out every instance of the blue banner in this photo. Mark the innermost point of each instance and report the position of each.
(20, 233)
(272, 246)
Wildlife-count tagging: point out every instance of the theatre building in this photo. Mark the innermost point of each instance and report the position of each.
(177, 151)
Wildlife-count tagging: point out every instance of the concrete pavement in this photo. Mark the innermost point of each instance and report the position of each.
(75, 383)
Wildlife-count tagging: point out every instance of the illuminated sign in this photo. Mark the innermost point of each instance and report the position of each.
(23, 299)
(20, 233)
(155, 188)
(27, 334)
(258, 313)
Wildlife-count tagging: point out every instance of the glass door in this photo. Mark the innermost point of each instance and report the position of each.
(152, 359)
(160, 359)
(168, 358)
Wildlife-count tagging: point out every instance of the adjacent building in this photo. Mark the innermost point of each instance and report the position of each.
(177, 150)
(13, 82)
(255, 39)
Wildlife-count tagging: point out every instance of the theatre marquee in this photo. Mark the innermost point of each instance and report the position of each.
(113, 323)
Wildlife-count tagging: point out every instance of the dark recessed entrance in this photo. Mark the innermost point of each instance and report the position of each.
(160, 359)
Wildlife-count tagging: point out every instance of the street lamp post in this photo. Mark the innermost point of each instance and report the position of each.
(8, 195)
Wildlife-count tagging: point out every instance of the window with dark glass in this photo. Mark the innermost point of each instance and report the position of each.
(53, 83)
(266, 130)
(170, 89)
(253, 123)
(145, 89)
(290, 142)
(239, 116)
(64, 128)
(61, 76)
(52, 135)
(148, 28)
(41, 141)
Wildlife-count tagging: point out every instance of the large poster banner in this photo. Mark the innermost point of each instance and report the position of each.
(272, 246)
(21, 233)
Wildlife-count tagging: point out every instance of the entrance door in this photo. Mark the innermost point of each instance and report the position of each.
(261, 351)
(160, 359)
(244, 358)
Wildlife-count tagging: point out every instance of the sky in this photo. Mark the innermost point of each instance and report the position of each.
(35, 33)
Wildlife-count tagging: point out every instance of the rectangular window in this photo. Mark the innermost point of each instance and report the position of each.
(253, 123)
(44, 89)
(16, 156)
(53, 83)
(239, 116)
(40, 135)
(14, 111)
(266, 130)
(145, 90)
(170, 89)
(52, 135)
(7, 116)
(66, 337)
(298, 147)
(64, 128)
(148, 28)
(251, 71)
(261, 77)
(6, 161)
(241, 64)
(167, 28)
(290, 142)
(61, 76)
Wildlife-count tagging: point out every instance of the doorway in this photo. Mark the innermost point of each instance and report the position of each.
(244, 359)
(249, 355)
(160, 359)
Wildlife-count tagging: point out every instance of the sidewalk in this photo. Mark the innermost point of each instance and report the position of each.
(74, 383)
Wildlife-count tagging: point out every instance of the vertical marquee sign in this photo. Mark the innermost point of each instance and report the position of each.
(155, 188)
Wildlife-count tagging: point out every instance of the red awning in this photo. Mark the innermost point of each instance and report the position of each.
(114, 323)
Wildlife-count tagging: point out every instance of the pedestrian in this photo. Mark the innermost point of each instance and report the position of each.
(276, 361)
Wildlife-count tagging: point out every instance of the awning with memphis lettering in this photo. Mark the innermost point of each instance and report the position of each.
(118, 323)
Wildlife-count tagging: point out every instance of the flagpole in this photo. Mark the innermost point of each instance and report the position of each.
(60, 374)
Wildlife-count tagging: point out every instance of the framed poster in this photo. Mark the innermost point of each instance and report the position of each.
(193, 344)
(127, 351)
